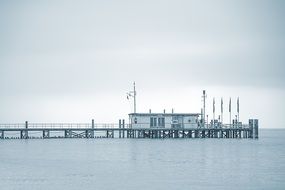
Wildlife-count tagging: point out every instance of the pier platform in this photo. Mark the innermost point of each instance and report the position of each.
(121, 130)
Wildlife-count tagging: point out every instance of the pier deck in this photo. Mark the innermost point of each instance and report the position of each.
(78, 130)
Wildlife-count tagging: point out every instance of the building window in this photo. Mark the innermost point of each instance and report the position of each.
(175, 119)
(136, 120)
(161, 122)
(154, 122)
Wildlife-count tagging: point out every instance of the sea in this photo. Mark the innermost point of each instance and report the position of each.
(146, 164)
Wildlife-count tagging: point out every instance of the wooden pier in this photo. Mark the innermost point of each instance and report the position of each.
(121, 130)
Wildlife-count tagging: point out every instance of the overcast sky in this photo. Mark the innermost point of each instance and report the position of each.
(71, 61)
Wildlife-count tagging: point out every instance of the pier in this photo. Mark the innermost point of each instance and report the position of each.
(142, 125)
(92, 130)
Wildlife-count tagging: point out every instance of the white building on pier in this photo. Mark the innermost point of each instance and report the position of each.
(164, 120)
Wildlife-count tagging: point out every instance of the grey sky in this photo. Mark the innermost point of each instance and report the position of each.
(69, 60)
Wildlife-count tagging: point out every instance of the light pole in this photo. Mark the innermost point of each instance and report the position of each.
(133, 94)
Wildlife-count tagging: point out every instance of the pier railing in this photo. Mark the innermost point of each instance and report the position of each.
(12, 125)
(60, 125)
(226, 126)
(97, 125)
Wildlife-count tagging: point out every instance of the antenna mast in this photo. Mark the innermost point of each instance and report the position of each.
(133, 94)
(204, 108)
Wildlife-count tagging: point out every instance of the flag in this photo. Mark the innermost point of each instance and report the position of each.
(238, 105)
(213, 105)
(222, 110)
(230, 109)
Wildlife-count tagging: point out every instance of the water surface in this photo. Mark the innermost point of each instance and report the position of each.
(128, 164)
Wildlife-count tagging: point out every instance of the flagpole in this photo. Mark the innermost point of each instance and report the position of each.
(230, 110)
(135, 93)
(238, 108)
(213, 112)
(222, 110)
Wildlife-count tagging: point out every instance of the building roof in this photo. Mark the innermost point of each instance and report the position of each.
(164, 114)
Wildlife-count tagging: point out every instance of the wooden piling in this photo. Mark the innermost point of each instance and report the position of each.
(255, 128)
(2, 136)
(120, 123)
(123, 128)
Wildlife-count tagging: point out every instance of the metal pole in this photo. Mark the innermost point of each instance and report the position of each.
(204, 106)
(222, 110)
(93, 132)
(135, 93)
(238, 118)
(230, 110)
(123, 128)
(120, 128)
(93, 124)
(238, 109)
(213, 112)
(26, 132)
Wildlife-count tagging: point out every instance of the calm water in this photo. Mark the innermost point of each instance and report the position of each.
(144, 163)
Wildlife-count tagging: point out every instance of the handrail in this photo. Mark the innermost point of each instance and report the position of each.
(59, 125)
(101, 125)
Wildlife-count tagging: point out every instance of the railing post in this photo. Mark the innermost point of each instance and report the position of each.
(93, 131)
(26, 134)
(93, 125)
(120, 123)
